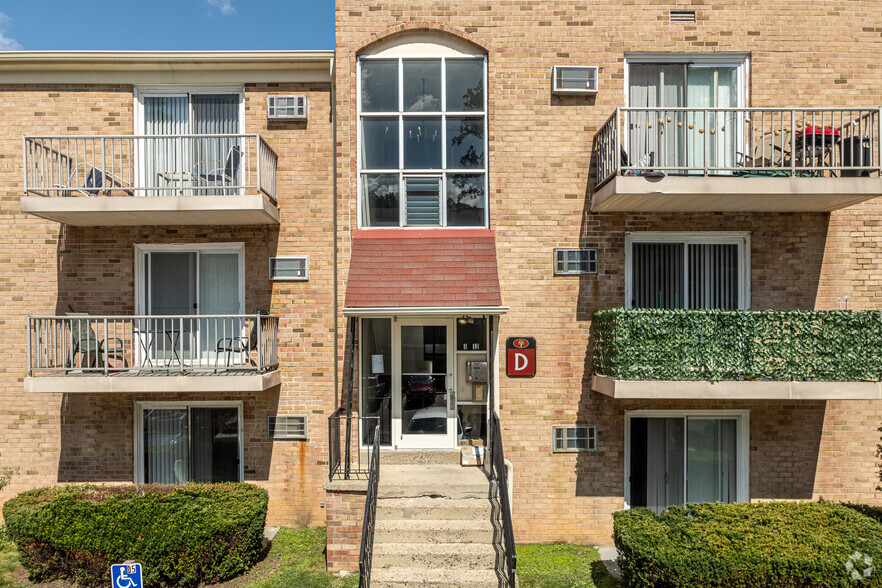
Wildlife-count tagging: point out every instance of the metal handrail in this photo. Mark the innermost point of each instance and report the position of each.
(148, 165)
(84, 344)
(366, 550)
(728, 141)
(341, 463)
(499, 476)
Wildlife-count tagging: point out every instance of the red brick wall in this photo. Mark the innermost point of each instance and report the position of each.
(344, 516)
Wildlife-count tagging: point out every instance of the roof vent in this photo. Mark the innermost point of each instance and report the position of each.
(682, 16)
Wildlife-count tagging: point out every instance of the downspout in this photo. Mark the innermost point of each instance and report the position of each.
(334, 227)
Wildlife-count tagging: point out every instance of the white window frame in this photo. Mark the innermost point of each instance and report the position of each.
(564, 271)
(443, 56)
(141, 92)
(142, 249)
(275, 258)
(590, 438)
(139, 429)
(739, 238)
(739, 60)
(742, 457)
(174, 90)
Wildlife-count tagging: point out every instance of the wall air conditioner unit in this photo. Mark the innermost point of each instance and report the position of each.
(286, 107)
(574, 79)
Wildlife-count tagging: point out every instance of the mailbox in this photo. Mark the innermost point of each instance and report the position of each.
(476, 372)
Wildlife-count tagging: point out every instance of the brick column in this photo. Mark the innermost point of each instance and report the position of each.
(344, 515)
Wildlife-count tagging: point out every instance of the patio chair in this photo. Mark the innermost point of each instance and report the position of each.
(94, 184)
(241, 344)
(226, 176)
(85, 343)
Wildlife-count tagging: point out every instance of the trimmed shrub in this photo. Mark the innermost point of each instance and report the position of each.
(183, 535)
(782, 544)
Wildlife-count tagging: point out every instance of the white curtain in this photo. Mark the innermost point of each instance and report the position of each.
(214, 163)
(710, 460)
(219, 294)
(164, 115)
(711, 87)
(166, 446)
(654, 144)
(172, 283)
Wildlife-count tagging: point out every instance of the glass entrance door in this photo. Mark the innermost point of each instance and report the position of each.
(424, 401)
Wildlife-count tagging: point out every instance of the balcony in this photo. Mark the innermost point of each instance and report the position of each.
(80, 353)
(737, 159)
(150, 180)
(738, 355)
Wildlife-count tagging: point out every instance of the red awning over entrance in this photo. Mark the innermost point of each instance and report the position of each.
(431, 268)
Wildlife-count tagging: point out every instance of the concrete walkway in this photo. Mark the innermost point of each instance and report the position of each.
(608, 556)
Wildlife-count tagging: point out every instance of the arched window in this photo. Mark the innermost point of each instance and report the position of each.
(422, 112)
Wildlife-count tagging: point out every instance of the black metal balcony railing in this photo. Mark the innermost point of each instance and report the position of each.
(717, 345)
(739, 142)
(149, 165)
(81, 344)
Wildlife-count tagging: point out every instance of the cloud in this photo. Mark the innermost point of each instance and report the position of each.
(7, 44)
(225, 7)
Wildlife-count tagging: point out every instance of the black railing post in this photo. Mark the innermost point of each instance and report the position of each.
(346, 465)
(366, 550)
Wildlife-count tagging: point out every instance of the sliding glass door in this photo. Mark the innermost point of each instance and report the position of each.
(696, 138)
(179, 283)
(679, 459)
(178, 162)
(182, 444)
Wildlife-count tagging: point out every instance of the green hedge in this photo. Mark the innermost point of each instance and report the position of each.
(183, 535)
(649, 344)
(782, 544)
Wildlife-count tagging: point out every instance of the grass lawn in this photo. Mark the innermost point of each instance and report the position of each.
(296, 558)
(562, 565)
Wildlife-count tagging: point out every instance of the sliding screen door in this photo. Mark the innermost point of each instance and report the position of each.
(217, 160)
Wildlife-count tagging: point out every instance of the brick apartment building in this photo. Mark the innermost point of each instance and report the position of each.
(465, 174)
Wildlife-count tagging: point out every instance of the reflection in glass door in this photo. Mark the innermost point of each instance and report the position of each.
(425, 405)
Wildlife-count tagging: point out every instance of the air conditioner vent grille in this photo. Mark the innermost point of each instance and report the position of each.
(682, 16)
(286, 107)
(286, 426)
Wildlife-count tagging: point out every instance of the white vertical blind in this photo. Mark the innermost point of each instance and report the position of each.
(685, 275)
(166, 446)
(165, 115)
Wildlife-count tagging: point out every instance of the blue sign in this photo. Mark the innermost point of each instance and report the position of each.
(126, 576)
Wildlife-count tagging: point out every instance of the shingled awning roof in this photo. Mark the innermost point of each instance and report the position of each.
(430, 268)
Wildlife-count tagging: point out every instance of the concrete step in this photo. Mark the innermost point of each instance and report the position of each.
(439, 480)
(451, 556)
(433, 531)
(431, 508)
(437, 578)
(417, 457)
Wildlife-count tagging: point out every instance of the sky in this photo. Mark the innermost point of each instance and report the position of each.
(155, 25)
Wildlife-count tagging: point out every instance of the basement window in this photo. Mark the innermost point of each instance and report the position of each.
(573, 438)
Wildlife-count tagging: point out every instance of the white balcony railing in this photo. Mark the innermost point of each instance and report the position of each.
(81, 344)
(739, 141)
(151, 165)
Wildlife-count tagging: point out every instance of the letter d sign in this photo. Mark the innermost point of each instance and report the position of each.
(520, 357)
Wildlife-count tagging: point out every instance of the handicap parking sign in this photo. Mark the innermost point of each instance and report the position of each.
(126, 576)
